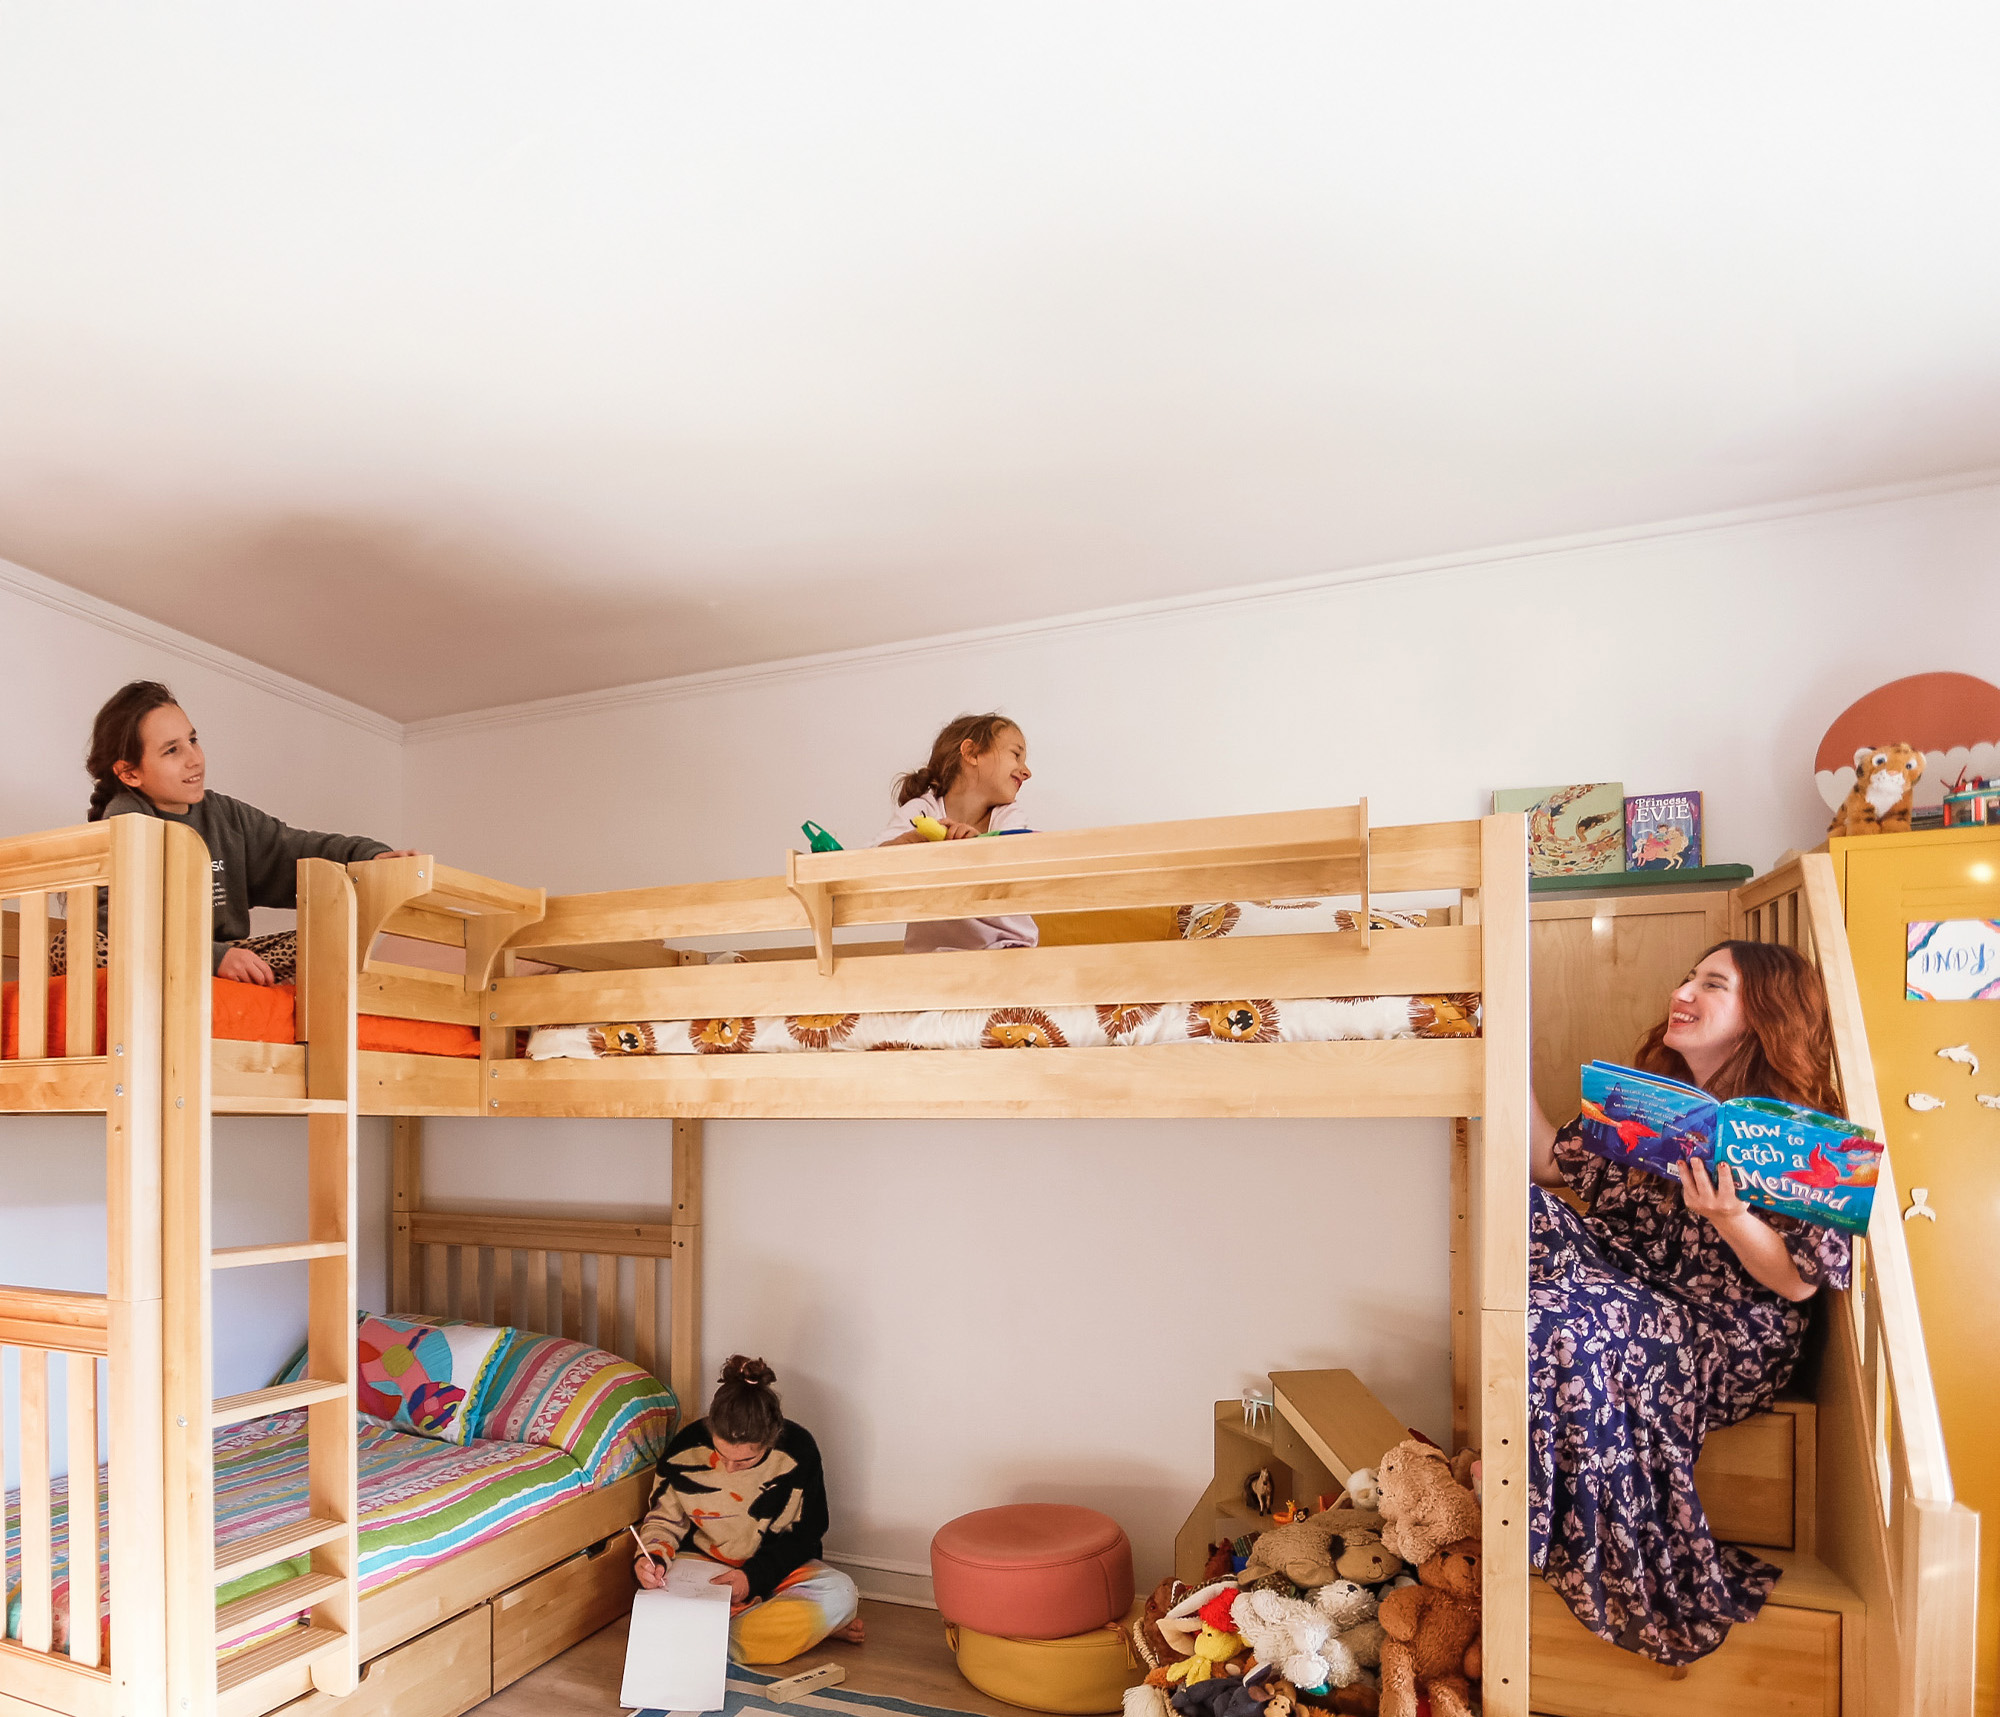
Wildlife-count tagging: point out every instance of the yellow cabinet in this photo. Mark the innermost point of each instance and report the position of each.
(1946, 1142)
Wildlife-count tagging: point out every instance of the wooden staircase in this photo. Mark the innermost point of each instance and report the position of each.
(324, 1653)
(1804, 1656)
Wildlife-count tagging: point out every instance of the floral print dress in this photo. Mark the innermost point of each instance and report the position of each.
(1644, 1333)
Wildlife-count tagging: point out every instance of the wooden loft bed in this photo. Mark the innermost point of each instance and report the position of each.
(152, 1326)
(158, 1078)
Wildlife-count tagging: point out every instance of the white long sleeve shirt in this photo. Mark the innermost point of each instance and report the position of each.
(967, 933)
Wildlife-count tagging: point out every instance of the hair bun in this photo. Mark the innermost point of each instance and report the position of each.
(752, 1373)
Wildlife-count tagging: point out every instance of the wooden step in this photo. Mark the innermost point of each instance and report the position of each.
(228, 1103)
(279, 1398)
(1757, 1479)
(280, 1544)
(241, 1257)
(1341, 1422)
(1787, 1663)
(239, 1679)
(284, 1599)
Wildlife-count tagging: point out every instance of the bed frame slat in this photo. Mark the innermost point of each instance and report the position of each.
(83, 1547)
(80, 1010)
(504, 1260)
(436, 1263)
(37, 1555)
(606, 1335)
(646, 1314)
(33, 1019)
(535, 1305)
(572, 1295)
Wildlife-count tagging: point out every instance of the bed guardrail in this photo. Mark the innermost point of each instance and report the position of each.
(1889, 1522)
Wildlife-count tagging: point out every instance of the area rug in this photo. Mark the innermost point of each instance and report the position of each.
(745, 1686)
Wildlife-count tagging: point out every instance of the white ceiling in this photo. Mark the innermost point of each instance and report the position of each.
(450, 355)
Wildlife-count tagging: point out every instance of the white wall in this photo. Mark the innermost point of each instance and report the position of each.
(969, 1313)
(297, 753)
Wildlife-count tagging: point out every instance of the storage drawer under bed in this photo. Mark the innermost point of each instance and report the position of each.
(545, 1616)
(439, 1674)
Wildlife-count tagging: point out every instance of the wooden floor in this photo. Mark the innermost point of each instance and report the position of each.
(905, 1657)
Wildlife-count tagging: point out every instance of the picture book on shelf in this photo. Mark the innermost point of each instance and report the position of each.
(1785, 1157)
(1572, 831)
(1663, 831)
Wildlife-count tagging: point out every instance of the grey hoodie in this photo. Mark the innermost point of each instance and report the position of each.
(253, 855)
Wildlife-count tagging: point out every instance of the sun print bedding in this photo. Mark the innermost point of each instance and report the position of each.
(1320, 1019)
(1323, 1019)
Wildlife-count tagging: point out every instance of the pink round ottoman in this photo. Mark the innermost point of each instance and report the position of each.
(1032, 1570)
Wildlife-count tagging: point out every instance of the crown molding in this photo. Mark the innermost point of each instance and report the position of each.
(96, 612)
(1139, 613)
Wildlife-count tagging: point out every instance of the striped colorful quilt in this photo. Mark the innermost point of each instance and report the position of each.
(554, 1419)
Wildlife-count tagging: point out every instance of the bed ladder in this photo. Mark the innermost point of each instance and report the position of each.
(323, 1654)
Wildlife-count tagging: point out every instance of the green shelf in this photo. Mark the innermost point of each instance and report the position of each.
(1653, 881)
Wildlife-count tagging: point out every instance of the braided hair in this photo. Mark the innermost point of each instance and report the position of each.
(114, 739)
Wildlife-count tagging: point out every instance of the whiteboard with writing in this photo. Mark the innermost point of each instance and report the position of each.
(1953, 960)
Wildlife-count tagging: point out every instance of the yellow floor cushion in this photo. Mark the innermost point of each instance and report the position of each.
(1083, 1673)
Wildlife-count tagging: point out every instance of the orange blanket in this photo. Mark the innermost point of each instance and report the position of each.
(252, 1013)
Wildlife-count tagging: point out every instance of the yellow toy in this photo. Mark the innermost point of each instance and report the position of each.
(1212, 1649)
(930, 828)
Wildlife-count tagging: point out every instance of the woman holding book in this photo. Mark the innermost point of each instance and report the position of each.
(1667, 1308)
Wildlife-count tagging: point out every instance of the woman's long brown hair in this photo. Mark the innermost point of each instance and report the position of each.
(946, 759)
(1787, 1050)
(114, 739)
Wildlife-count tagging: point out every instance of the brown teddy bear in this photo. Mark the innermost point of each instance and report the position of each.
(1424, 1506)
(1320, 1549)
(1885, 788)
(1431, 1636)
(1152, 1645)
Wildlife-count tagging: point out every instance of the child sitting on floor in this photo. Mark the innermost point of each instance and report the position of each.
(977, 768)
(743, 1489)
(145, 761)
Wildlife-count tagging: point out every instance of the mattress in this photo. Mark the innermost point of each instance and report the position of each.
(253, 1013)
(1220, 1020)
(571, 1419)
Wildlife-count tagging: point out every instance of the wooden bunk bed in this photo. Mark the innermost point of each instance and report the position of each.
(152, 1323)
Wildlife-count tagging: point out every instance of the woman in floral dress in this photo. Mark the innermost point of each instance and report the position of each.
(1667, 1309)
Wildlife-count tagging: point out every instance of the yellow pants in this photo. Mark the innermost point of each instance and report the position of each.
(814, 1601)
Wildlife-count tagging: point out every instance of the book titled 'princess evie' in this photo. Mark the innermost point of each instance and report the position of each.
(1785, 1157)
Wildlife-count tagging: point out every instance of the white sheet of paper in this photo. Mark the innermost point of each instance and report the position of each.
(677, 1655)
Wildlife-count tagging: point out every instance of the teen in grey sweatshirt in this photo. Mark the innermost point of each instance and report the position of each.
(146, 762)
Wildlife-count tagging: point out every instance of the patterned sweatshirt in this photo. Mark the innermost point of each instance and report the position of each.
(768, 1520)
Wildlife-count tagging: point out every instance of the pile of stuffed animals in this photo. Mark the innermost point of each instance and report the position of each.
(1322, 1614)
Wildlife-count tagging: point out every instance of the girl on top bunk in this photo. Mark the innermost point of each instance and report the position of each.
(145, 761)
(1665, 1310)
(742, 1489)
(978, 766)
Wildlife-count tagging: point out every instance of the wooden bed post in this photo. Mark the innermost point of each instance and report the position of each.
(1464, 1349)
(406, 1198)
(137, 1389)
(684, 1349)
(1498, 1180)
(189, 1358)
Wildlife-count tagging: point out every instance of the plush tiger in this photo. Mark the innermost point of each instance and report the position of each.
(1885, 787)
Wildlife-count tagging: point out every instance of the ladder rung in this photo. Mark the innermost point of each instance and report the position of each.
(289, 1647)
(237, 1257)
(280, 1544)
(245, 1105)
(286, 1599)
(279, 1398)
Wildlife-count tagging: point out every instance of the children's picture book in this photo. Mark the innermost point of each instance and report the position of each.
(1785, 1157)
(1663, 831)
(1572, 831)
